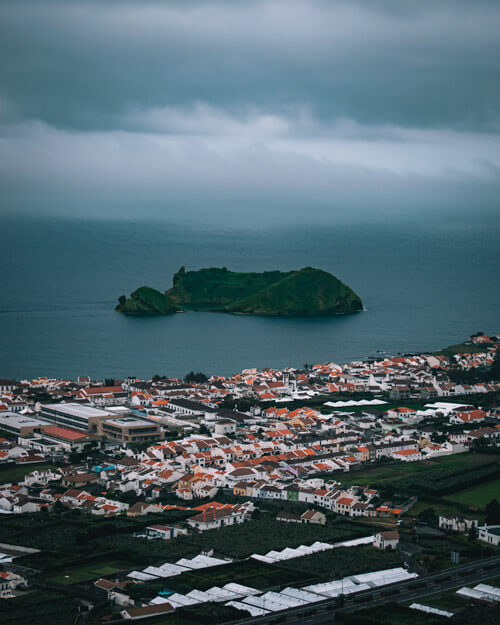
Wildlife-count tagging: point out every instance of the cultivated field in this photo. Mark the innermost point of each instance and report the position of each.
(477, 496)
(395, 471)
(90, 571)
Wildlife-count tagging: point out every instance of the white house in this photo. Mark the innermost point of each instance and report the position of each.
(8, 582)
(41, 476)
(489, 534)
(457, 523)
(225, 426)
(165, 532)
(407, 455)
(386, 540)
(213, 518)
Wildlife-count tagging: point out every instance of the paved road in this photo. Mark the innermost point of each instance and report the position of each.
(324, 611)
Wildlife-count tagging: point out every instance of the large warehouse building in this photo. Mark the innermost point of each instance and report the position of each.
(80, 416)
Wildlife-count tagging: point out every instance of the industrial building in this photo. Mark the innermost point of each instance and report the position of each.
(80, 416)
(21, 425)
(130, 430)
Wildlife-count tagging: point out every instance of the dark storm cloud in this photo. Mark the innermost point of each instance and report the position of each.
(78, 64)
(276, 102)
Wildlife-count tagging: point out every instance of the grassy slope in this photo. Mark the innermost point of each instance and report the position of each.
(215, 289)
(147, 301)
(477, 496)
(458, 502)
(460, 348)
(389, 473)
(305, 292)
(89, 572)
(297, 293)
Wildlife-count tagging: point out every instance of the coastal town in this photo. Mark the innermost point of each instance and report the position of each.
(250, 476)
(249, 329)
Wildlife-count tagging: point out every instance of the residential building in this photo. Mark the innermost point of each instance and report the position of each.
(386, 540)
(146, 611)
(489, 534)
(457, 523)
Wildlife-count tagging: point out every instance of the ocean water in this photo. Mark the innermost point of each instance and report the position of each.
(424, 286)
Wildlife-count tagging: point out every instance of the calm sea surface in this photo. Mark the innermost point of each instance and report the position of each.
(424, 286)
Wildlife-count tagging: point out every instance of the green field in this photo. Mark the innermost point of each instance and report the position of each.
(445, 506)
(386, 473)
(390, 405)
(447, 601)
(440, 507)
(18, 471)
(39, 607)
(89, 571)
(460, 348)
(477, 496)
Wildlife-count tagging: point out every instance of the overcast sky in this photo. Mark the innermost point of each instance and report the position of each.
(237, 109)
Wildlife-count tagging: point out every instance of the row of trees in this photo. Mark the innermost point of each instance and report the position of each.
(199, 377)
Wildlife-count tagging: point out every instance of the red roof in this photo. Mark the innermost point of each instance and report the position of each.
(346, 501)
(406, 452)
(211, 505)
(98, 390)
(67, 433)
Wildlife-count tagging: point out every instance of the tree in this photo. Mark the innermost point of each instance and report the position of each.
(492, 513)
(495, 367)
(480, 443)
(428, 515)
(440, 438)
(199, 377)
(59, 507)
(89, 447)
(109, 382)
(141, 446)
(75, 457)
(244, 404)
(228, 402)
